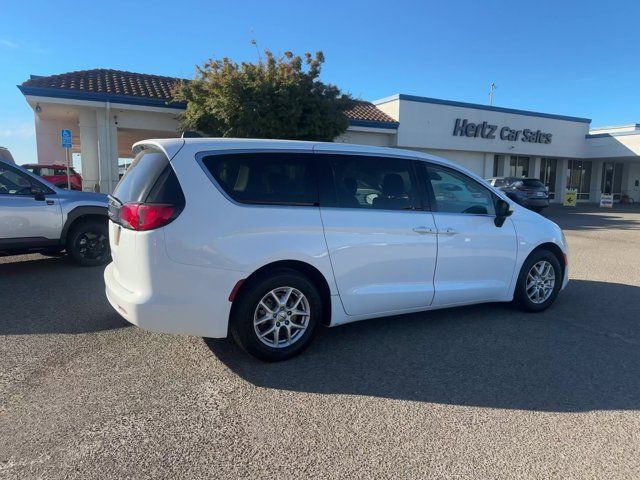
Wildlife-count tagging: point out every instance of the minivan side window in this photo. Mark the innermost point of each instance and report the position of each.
(454, 192)
(374, 182)
(266, 178)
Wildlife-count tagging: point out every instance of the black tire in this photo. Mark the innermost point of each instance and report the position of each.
(521, 298)
(246, 305)
(88, 243)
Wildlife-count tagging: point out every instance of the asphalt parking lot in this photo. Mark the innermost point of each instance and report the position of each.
(474, 392)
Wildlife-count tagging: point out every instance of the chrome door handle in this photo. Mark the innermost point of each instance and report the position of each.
(449, 231)
(424, 230)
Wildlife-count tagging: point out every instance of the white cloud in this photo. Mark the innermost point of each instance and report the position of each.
(8, 44)
(22, 131)
(20, 139)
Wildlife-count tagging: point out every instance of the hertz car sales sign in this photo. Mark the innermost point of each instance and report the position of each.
(465, 128)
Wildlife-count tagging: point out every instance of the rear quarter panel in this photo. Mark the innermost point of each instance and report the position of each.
(214, 231)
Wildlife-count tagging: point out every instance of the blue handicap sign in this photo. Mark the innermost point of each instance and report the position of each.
(67, 141)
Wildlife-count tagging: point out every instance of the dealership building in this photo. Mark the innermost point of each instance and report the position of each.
(109, 110)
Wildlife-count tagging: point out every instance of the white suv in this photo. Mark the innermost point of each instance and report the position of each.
(268, 239)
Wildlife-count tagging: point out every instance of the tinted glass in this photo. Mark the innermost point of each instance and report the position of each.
(141, 176)
(548, 167)
(579, 177)
(166, 189)
(532, 183)
(496, 165)
(519, 166)
(375, 183)
(457, 193)
(13, 182)
(266, 178)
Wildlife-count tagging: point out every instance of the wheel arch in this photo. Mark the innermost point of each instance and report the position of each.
(553, 248)
(81, 214)
(301, 267)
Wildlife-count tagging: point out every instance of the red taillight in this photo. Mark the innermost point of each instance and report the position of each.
(141, 216)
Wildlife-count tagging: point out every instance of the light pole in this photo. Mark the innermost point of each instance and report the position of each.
(492, 88)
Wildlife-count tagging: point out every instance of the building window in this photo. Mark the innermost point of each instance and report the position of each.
(519, 166)
(497, 172)
(548, 169)
(611, 183)
(579, 178)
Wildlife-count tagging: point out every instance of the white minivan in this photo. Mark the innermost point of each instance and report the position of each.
(268, 239)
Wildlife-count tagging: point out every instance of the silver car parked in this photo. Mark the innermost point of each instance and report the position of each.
(36, 216)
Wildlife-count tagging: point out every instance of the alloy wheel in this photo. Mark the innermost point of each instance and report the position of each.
(92, 245)
(541, 280)
(281, 317)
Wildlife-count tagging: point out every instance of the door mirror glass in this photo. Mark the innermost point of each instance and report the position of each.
(503, 210)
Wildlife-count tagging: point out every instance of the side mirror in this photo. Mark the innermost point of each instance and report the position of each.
(502, 212)
(38, 195)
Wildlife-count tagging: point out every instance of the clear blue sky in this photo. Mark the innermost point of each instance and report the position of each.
(570, 57)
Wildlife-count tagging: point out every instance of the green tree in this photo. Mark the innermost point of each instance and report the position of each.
(275, 98)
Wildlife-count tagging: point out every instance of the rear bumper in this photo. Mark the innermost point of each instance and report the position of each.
(185, 299)
(535, 202)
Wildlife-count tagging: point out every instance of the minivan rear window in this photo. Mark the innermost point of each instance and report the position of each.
(499, 182)
(141, 176)
(266, 178)
(532, 183)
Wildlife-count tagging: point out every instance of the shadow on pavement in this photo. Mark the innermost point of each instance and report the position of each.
(582, 354)
(53, 295)
(621, 217)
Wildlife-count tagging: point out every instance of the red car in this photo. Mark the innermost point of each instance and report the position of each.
(56, 174)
